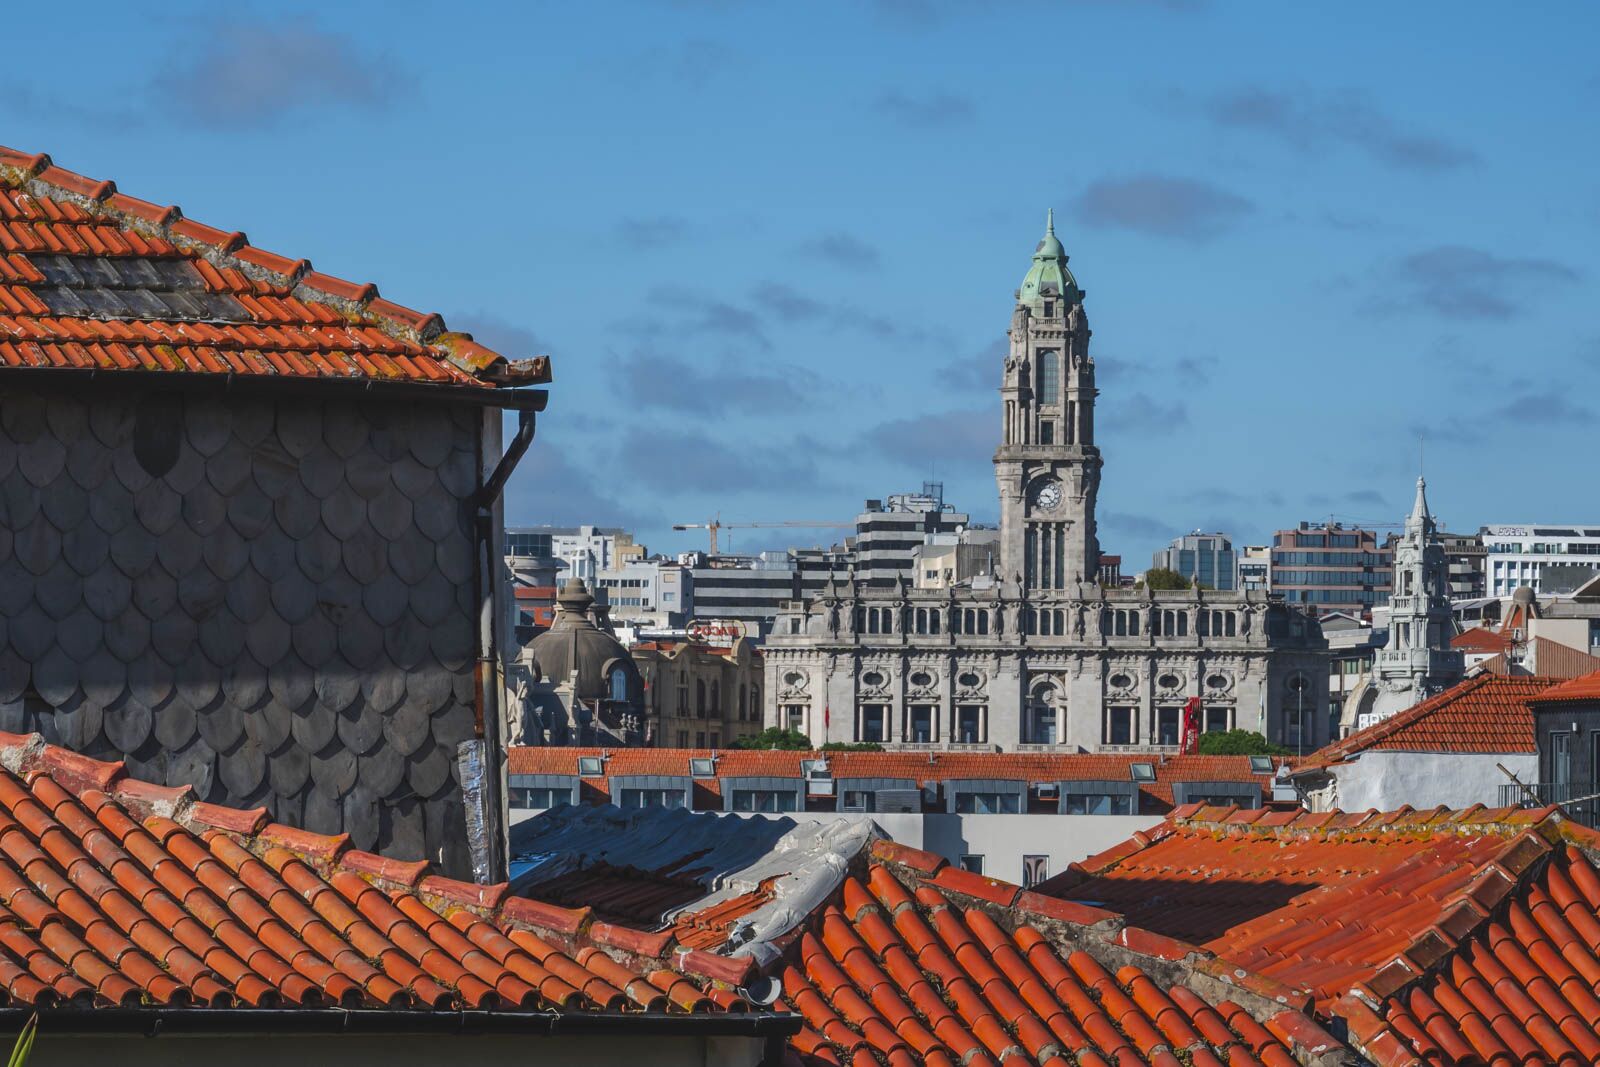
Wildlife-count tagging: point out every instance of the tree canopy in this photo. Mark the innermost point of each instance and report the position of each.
(1238, 743)
(774, 737)
(1162, 578)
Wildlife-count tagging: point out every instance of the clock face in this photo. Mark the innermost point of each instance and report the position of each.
(1048, 496)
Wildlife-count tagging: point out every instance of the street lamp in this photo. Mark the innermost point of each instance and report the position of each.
(1298, 684)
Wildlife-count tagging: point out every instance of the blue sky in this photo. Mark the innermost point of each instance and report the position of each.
(772, 248)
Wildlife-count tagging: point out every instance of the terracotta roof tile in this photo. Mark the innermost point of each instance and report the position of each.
(1586, 688)
(1484, 713)
(903, 971)
(117, 892)
(57, 228)
(1383, 905)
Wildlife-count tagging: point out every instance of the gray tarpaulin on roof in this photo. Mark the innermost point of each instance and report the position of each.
(729, 855)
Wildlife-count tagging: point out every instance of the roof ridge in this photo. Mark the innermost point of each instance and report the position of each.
(38, 175)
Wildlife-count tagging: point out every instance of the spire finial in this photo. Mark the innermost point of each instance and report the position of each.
(1049, 220)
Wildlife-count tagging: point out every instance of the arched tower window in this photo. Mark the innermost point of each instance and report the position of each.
(1048, 362)
(619, 685)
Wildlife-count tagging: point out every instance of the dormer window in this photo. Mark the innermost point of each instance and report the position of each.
(1049, 309)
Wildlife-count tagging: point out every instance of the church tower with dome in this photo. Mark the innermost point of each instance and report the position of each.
(1047, 466)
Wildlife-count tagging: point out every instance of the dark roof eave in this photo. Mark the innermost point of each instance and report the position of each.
(153, 1022)
(512, 397)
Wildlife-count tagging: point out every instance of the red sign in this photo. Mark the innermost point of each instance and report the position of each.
(1189, 740)
(714, 629)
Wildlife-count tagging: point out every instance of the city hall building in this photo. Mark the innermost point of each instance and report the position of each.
(1043, 656)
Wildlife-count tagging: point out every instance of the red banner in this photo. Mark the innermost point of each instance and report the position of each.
(1189, 740)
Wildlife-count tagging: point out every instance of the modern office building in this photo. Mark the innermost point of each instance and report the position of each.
(1466, 558)
(746, 591)
(1331, 567)
(1206, 557)
(1517, 555)
(888, 533)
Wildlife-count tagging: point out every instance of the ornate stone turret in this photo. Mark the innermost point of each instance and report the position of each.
(1418, 660)
(586, 688)
(1047, 467)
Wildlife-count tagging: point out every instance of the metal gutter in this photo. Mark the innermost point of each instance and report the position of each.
(154, 1022)
(483, 770)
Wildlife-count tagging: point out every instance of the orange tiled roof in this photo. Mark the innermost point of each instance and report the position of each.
(117, 892)
(1349, 908)
(945, 766)
(1485, 713)
(1481, 639)
(1521, 988)
(94, 279)
(1585, 688)
(924, 963)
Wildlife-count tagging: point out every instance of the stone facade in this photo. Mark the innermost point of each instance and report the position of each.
(701, 696)
(270, 599)
(1046, 658)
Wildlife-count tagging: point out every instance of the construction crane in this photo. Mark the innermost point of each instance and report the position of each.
(716, 525)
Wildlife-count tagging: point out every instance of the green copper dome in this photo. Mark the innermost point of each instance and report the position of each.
(1049, 276)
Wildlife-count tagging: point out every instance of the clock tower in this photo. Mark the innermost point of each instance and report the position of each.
(1047, 466)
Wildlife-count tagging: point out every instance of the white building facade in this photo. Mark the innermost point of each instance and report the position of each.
(1045, 657)
(1516, 555)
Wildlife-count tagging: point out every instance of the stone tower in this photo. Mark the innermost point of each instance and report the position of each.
(1418, 661)
(1047, 466)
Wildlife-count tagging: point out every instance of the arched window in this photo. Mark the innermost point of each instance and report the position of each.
(716, 698)
(699, 698)
(1049, 381)
(743, 697)
(619, 685)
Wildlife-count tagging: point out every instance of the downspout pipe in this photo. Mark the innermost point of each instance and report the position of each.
(486, 767)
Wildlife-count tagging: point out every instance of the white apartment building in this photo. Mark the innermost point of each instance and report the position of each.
(1517, 555)
(646, 592)
(586, 550)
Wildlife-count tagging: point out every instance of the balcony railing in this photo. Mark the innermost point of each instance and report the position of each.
(1579, 801)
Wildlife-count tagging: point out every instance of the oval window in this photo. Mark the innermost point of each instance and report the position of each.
(922, 678)
(1170, 681)
(794, 678)
(970, 680)
(1121, 681)
(1217, 681)
(872, 678)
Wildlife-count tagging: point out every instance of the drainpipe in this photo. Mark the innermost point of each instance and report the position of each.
(482, 760)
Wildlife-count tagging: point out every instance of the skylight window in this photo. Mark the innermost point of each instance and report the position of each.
(1142, 772)
(591, 767)
(703, 767)
(1260, 764)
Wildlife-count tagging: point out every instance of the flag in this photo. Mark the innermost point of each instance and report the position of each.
(827, 718)
(1189, 741)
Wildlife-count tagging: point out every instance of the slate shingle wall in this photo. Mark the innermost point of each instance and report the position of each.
(268, 599)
